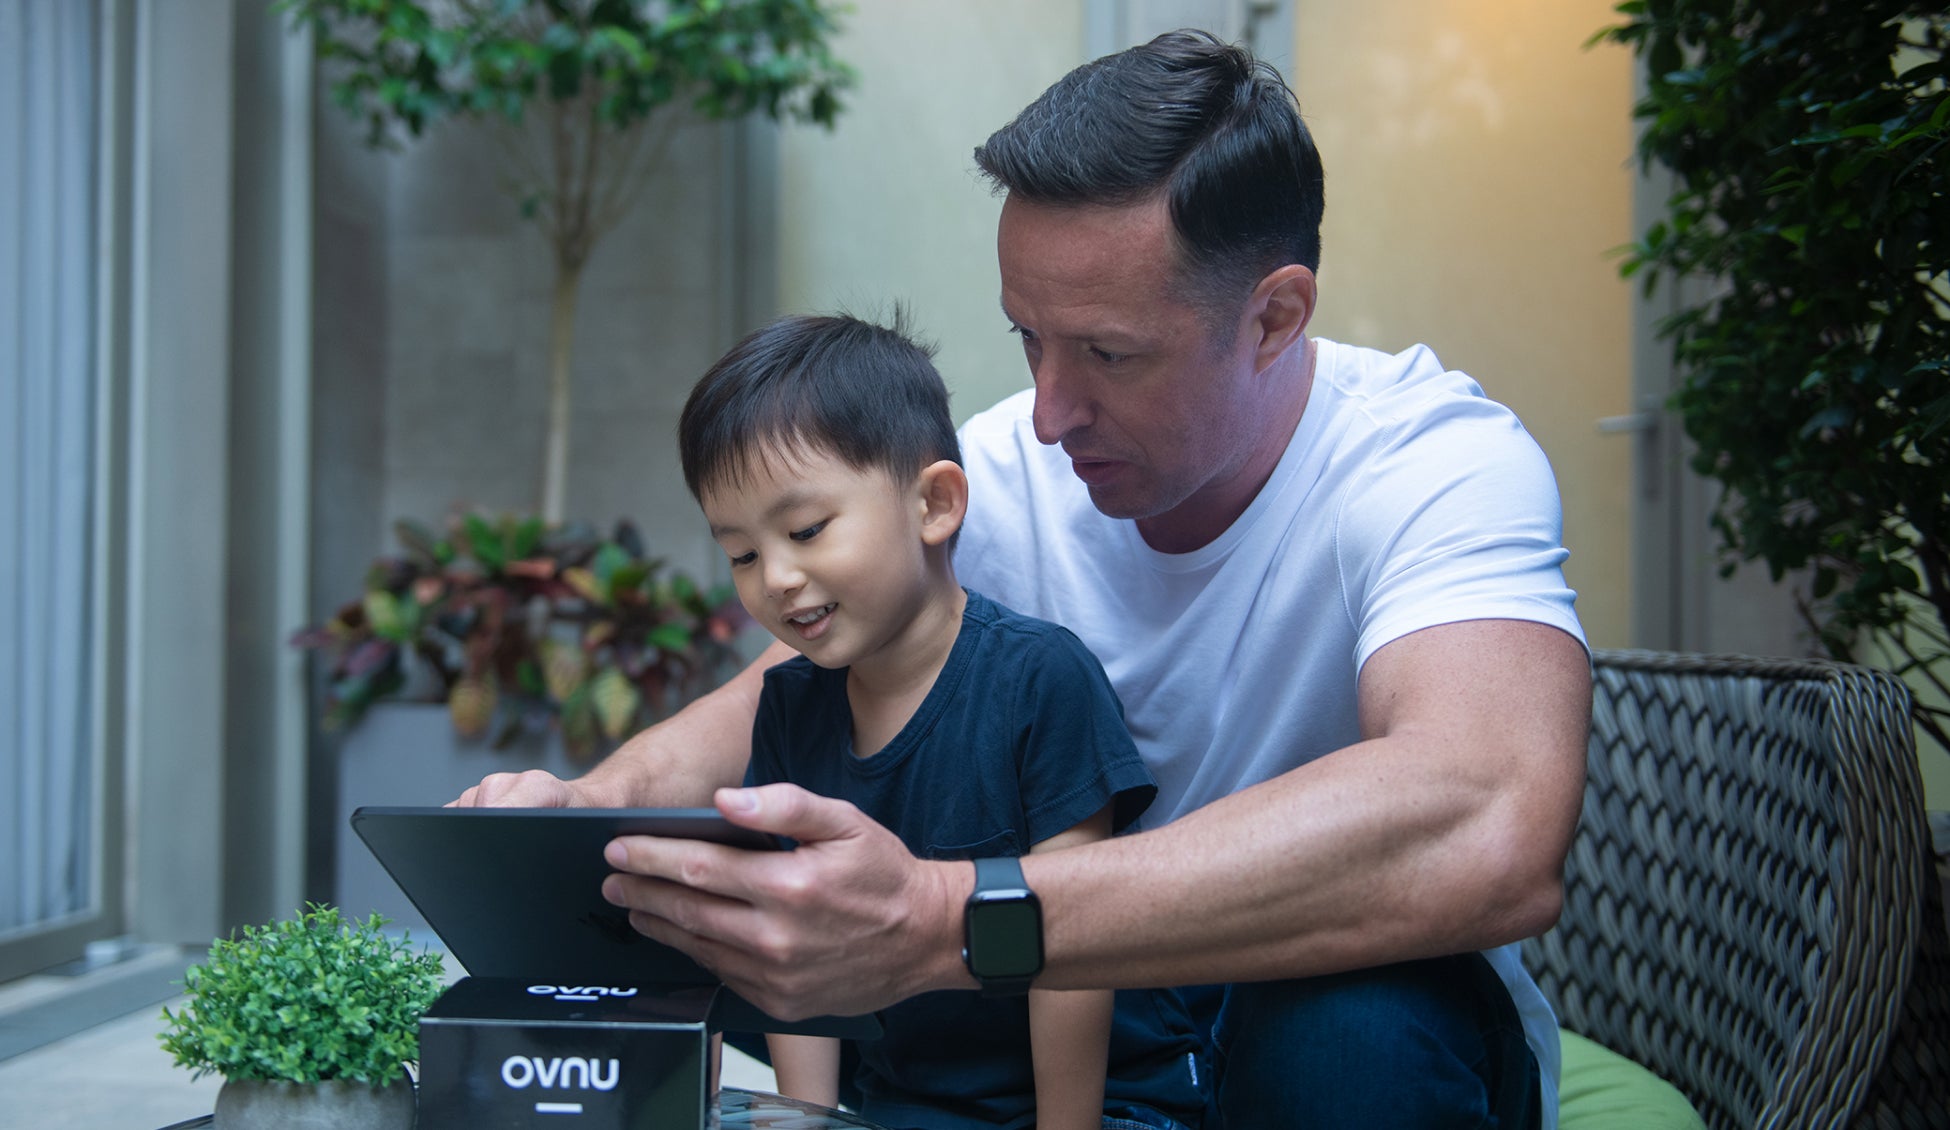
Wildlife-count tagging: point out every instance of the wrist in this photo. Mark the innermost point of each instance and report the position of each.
(1002, 928)
(600, 789)
(948, 888)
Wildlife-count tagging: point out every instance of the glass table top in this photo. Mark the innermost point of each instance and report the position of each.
(737, 1110)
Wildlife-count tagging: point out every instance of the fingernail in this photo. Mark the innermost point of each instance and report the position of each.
(740, 800)
(614, 853)
(613, 891)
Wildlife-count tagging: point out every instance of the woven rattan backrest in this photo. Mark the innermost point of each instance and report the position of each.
(1744, 894)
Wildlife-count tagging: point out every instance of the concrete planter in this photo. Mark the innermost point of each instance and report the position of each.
(408, 754)
(335, 1104)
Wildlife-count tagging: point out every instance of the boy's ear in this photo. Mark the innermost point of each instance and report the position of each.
(942, 491)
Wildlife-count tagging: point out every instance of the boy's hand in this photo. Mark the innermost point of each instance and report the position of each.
(846, 923)
(535, 788)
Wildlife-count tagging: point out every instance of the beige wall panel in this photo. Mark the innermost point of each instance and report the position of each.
(1479, 168)
(889, 206)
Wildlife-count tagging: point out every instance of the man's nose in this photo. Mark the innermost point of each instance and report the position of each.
(1061, 407)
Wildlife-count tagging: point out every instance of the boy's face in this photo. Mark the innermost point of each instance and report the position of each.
(830, 558)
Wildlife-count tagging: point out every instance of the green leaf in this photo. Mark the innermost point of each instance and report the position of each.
(383, 612)
(526, 538)
(478, 541)
(629, 577)
(1833, 416)
(669, 637)
(609, 560)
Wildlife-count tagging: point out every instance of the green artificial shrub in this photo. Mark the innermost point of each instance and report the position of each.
(305, 999)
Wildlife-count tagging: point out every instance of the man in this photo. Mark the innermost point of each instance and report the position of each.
(1326, 584)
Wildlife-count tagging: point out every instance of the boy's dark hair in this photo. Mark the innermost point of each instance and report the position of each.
(1215, 130)
(867, 394)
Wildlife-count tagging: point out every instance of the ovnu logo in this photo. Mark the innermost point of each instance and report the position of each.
(572, 1073)
(578, 992)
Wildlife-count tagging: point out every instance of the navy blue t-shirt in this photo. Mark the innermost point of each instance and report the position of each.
(1020, 738)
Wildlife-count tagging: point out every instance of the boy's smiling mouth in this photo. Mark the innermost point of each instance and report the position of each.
(809, 621)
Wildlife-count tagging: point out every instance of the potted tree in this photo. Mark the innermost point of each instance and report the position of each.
(583, 98)
(312, 1021)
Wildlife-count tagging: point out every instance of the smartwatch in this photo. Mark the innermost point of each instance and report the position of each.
(1002, 929)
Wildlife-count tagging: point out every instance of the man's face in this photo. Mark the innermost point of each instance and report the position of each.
(1153, 408)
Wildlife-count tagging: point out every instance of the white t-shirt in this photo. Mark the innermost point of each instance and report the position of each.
(1406, 499)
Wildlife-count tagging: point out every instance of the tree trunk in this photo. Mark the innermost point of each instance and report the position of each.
(561, 343)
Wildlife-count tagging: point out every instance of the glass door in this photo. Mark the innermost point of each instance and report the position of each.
(57, 848)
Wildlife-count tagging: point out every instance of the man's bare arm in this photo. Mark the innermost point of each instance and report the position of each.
(1444, 831)
(678, 762)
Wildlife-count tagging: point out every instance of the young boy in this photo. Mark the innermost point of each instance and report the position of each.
(822, 453)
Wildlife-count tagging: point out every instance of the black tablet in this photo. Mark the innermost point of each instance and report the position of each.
(517, 892)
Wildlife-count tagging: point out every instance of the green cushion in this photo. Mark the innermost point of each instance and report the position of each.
(1601, 1089)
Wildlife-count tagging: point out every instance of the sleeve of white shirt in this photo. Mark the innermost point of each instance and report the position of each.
(1457, 517)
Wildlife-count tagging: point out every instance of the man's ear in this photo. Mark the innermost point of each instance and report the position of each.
(1279, 310)
(942, 492)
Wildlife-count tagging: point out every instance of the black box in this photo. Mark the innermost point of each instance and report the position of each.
(503, 1053)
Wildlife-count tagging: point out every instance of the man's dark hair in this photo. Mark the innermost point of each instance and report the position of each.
(865, 393)
(1215, 130)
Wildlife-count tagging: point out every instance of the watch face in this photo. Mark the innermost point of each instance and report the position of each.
(1005, 939)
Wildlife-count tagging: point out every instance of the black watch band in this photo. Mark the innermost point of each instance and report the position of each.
(1002, 929)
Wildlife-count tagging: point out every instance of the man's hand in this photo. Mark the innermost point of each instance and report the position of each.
(846, 923)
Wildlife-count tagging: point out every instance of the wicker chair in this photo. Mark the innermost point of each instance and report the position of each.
(1751, 905)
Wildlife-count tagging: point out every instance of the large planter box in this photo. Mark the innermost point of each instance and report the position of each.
(408, 754)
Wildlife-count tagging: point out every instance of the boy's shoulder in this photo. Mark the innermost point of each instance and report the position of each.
(1021, 633)
(796, 677)
(987, 613)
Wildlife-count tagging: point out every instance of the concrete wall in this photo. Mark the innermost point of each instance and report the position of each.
(467, 339)
(889, 206)
(1479, 167)
(433, 342)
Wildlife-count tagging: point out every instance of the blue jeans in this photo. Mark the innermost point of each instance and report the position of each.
(1424, 1044)
(1140, 1120)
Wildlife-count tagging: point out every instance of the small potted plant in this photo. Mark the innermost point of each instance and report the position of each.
(312, 1021)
